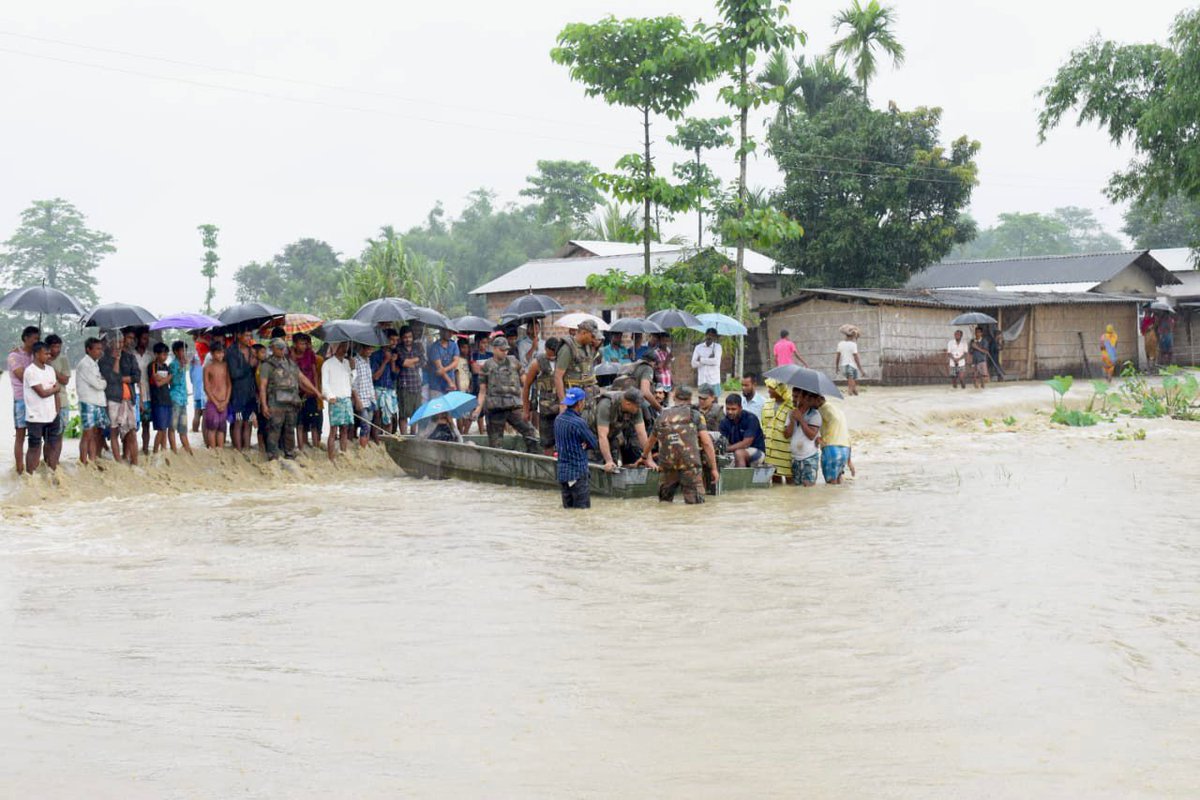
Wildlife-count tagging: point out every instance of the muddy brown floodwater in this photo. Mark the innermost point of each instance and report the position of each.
(987, 611)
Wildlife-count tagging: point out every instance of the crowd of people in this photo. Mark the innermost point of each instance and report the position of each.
(282, 396)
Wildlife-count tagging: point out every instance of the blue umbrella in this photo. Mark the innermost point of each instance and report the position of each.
(725, 325)
(186, 322)
(456, 404)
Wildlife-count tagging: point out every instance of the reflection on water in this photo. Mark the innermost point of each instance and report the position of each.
(1015, 621)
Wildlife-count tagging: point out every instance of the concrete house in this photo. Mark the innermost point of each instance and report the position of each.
(1132, 272)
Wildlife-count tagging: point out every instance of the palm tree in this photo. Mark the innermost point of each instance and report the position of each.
(614, 223)
(869, 28)
(807, 86)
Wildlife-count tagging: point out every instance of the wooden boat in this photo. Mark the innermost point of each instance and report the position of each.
(481, 464)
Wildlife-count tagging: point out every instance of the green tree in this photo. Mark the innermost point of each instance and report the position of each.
(699, 135)
(1068, 230)
(652, 65)
(868, 28)
(304, 277)
(1146, 96)
(388, 269)
(54, 245)
(747, 28)
(803, 85)
(701, 284)
(879, 195)
(208, 237)
(1174, 222)
(564, 191)
(612, 222)
(484, 241)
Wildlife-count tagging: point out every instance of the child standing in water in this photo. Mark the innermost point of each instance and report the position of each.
(803, 429)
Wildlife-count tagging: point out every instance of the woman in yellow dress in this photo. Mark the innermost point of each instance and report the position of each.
(776, 409)
(1108, 352)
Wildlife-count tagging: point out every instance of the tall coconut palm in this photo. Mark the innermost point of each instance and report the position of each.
(868, 28)
(613, 223)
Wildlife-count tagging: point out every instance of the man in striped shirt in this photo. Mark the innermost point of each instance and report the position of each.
(572, 436)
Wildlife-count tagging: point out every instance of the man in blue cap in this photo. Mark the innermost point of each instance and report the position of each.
(572, 437)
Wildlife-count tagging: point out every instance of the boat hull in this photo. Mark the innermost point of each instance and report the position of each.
(425, 458)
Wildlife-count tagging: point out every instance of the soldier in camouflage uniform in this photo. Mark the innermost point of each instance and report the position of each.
(279, 384)
(500, 397)
(620, 426)
(643, 377)
(537, 392)
(712, 415)
(680, 433)
(573, 368)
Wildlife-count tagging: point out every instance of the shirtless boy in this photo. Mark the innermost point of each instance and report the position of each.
(217, 388)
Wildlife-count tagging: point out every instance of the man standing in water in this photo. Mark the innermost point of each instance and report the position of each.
(572, 438)
(500, 397)
(979, 359)
(956, 349)
(20, 358)
(681, 432)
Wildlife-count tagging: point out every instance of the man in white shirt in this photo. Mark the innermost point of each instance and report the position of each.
(956, 349)
(337, 382)
(93, 404)
(41, 410)
(752, 401)
(706, 360)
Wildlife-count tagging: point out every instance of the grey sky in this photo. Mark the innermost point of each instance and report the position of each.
(452, 96)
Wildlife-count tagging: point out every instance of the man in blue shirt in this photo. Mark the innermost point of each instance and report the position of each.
(743, 432)
(572, 436)
(442, 360)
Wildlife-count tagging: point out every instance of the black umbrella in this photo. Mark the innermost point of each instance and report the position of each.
(118, 315)
(973, 318)
(430, 317)
(385, 309)
(635, 325)
(810, 380)
(1159, 305)
(471, 324)
(530, 306)
(41, 300)
(351, 330)
(674, 318)
(249, 315)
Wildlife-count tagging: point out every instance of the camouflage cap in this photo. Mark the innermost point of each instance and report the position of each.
(500, 343)
(706, 391)
(588, 325)
(683, 393)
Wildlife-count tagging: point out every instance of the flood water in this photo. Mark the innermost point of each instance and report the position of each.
(976, 616)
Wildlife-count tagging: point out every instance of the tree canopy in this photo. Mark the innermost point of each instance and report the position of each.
(304, 276)
(1066, 231)
(564, 192)
(1174, 222)
(654, 65)
(878, 194)
(1143, 95)
(54, 244)
(867, 28)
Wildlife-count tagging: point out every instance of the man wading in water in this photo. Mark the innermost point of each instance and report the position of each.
(681, 431)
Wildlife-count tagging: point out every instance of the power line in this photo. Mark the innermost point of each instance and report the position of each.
(280, 78)
(298, 100)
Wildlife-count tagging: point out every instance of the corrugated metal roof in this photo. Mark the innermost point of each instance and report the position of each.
(1086, 286)
(957, 299)
(570, 273)
(1176, 259)
(604, 249)
(1094, 267)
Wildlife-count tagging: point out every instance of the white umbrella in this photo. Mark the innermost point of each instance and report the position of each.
(571, 321)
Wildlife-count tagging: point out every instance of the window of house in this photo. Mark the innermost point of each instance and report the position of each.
(607, 315)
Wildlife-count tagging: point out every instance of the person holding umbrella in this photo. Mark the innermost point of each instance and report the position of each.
(20, 358)
(979, 359)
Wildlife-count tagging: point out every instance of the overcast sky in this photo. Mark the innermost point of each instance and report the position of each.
(425, 102)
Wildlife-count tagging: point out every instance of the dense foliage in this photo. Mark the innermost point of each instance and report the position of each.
(304, 276)
(1174, 222)
(1066, 231)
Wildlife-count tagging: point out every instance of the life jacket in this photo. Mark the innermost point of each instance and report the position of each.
(547, 397)
(678, 429)
(283, 382)
(580, 372)
(503, 383)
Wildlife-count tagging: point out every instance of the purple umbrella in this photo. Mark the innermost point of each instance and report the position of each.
(186, 322)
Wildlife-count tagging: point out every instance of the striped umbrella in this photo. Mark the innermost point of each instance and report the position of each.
(292, 324)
